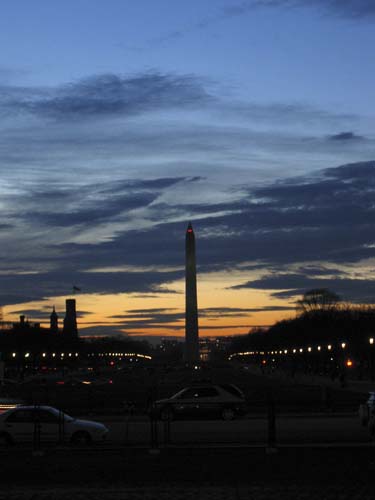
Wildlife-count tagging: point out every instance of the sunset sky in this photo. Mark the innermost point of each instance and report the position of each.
(122, 121)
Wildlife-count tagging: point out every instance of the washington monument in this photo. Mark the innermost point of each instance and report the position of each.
(191, 307)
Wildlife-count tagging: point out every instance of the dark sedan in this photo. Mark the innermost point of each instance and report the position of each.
(224, 401)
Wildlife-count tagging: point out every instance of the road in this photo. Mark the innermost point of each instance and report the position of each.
(289, 430)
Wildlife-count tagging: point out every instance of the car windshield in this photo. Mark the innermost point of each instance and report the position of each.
(60, 414)
(232, 389)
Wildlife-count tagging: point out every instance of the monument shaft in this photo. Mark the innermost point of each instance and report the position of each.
(191, 305)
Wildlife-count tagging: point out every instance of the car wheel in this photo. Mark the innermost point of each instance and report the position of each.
(81, 437)
(227, 414)
(166, 414)
(5, 439)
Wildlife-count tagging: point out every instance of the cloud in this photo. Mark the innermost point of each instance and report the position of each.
(327, 217)
(63, 153)
(157, 317)
(345, 136)
(93, 203)
(24, 288)
(359, 9)
(102, 331)
(236, 312)
(40, 314)
(348, 9)
(106, 95)
(287, 286)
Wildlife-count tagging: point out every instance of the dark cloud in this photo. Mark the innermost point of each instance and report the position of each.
(235, 312)
(140, 319)
(101, 210)
(106, 95)
(345, 136)
(59, 282)
(42, 315)
(320, 222)
(111, 96)
(91, 204)
(151, 317)
(360, 9)
(321, 271)
(348, 8)
(301, 220)
(295, 285)
(352, 9)
(102, 331)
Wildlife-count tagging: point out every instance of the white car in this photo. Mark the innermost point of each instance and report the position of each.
(367, 410)
(27, 423)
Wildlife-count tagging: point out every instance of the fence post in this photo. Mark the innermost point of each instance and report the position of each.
(271, 427)
(167, 430)
(154, 445)
(61, 427)
(37, 452)
(129, 409)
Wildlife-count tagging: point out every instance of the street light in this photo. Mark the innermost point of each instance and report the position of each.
(371, 340)
(343, 345)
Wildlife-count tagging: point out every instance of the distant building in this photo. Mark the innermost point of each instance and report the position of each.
(70, 320)
(54, 322)
(214, 348)
(24, 326)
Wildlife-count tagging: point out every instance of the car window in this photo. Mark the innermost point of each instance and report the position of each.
(232, 389)
(190, 393)
(200, 392)
(47, 417)
(207, 392)
(21, 416)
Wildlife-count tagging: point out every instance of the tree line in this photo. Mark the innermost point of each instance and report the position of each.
(321, 318)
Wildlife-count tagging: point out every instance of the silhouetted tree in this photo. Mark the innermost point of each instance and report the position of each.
(318, 300)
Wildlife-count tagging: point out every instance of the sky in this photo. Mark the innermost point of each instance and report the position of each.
(122, 121)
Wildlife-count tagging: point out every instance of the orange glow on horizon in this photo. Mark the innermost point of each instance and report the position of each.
(216, 299)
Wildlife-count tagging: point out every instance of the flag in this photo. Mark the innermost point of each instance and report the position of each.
(76, 289)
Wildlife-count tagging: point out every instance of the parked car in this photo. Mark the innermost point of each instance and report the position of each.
(23, 423)
(224, 401)
(367, 410)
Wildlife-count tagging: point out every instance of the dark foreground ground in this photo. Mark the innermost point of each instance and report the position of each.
(237, 473)
(306, 472)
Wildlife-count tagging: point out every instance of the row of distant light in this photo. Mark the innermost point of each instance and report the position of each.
(45, 354)
(291, 351)
(75, 355)
(122, 354)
